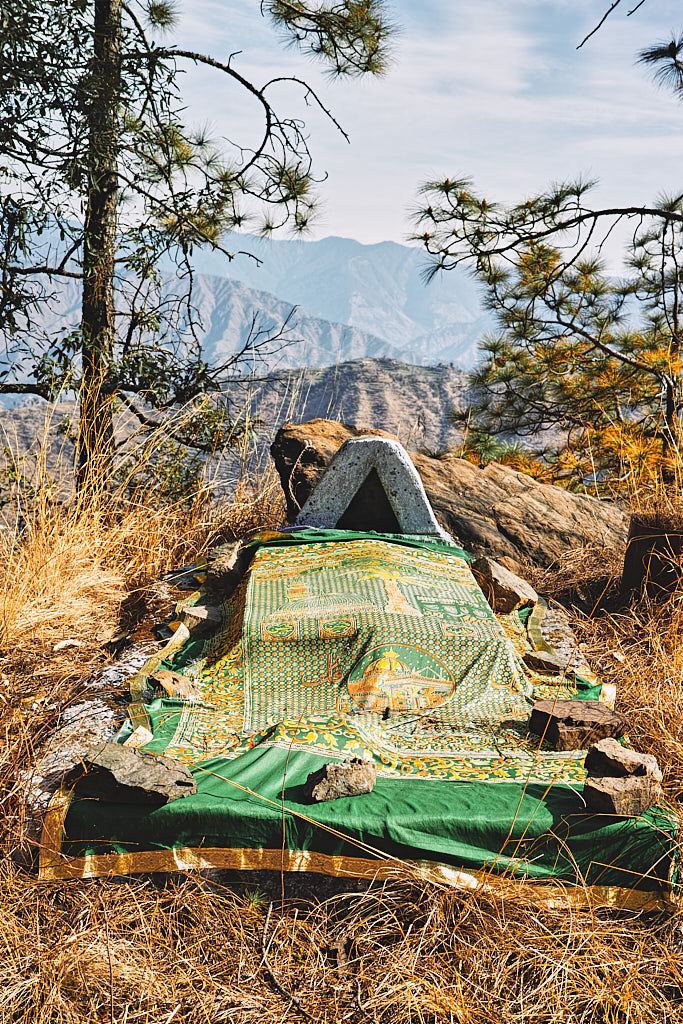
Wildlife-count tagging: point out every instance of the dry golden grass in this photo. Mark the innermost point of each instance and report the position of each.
(192, 951)
(187, 950)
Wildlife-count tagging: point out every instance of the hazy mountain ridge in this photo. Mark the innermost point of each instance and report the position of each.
(352, 301)
(378, 289)
(226, 308)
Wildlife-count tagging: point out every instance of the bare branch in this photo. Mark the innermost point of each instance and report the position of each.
(602, 22)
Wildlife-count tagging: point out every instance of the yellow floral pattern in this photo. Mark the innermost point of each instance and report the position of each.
(447, 695)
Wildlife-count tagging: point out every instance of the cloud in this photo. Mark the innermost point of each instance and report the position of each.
(492, 88)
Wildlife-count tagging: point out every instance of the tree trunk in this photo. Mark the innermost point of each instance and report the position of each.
(96, 430)
(671, 435)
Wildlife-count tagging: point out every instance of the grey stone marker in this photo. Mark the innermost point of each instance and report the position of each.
(121, 774)
(358, 460)
(352, 777)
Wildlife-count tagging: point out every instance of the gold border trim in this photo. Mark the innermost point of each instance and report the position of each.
(202, 858)
(56, 866)
(137, 711)
(52, 834)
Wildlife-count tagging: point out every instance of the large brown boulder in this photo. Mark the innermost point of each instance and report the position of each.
(494, 511)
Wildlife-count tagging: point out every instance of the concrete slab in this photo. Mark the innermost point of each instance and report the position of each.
(358, 463)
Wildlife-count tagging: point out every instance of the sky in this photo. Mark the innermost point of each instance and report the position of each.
(490, 89)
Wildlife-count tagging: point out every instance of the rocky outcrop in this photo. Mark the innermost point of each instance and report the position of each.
(494, 511)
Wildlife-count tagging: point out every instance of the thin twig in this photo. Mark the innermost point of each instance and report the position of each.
(600, 23)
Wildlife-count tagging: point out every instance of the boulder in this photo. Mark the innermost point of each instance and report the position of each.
(573, 724)
(122, 774)
(611, 758)
(505, 591)
(494, 511)
(352, 777)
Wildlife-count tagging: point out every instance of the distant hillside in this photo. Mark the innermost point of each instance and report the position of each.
(353, 301)
(377, 289)
(413, 402)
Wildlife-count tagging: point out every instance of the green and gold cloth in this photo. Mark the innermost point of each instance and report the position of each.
(341, 644)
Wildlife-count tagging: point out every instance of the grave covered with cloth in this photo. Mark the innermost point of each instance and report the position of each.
(339, 643)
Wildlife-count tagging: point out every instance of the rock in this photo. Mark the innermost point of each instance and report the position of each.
(302, 452)
(176, 685)
(352, 777)
(611, 758)
(494, 511)
(620, 781)
(139, 737)
(626, 796)
(556, 630)
(201, 615)
(226, 565)
(120, 774)
(572, 724)
(504, 591)
(545, 661)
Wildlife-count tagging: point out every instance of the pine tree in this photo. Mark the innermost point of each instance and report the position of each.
(584, 355)
(102, 182)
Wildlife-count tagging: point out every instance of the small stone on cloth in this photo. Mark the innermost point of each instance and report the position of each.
(545, 661)
(352, 777)
(625, 797)
(504, 591)
(573, 724)
(613, 759)
(620, 781)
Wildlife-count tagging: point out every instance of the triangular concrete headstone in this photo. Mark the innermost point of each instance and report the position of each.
(371, 484)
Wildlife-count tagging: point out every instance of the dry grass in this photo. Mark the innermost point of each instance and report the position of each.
(641, 651)
(183, 951)
(191, 951)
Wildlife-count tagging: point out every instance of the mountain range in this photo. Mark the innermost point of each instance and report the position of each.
(352, 301)
(377, 290)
